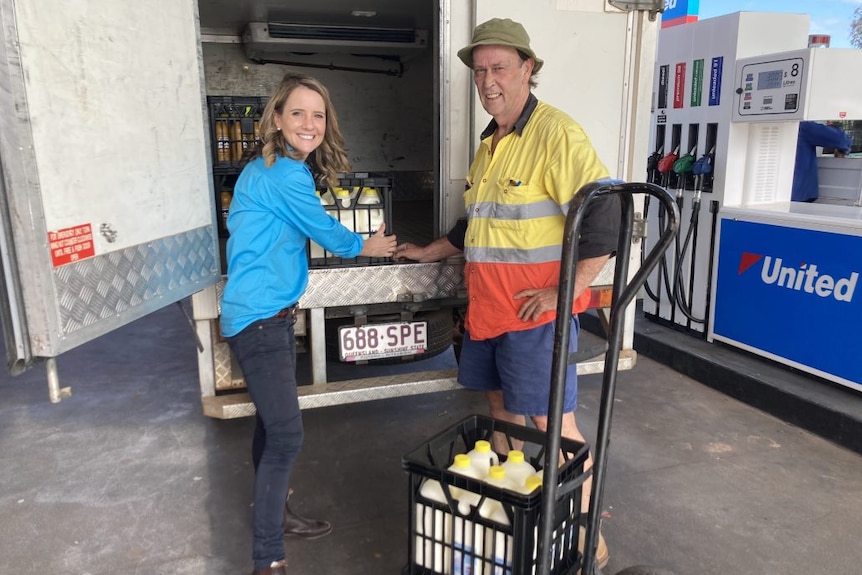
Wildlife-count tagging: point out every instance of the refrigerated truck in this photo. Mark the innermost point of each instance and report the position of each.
(114, 182)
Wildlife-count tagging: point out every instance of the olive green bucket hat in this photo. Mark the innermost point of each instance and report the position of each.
(500, 32)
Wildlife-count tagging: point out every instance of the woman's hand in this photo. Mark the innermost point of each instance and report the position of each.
(379, 245)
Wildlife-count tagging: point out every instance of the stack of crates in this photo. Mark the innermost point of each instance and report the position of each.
(235, 129)
(446, 539)
(234, 133)
(361, 202)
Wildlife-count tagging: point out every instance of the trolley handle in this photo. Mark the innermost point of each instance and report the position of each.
(623, 294)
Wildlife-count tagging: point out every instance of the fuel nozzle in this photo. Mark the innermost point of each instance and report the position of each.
(702, 168)
(682, 167)
(653, 174)
(665, 165)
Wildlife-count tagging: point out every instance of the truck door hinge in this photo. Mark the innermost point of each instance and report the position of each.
(639, 228)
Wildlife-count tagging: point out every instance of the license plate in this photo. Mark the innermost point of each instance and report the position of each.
(373, 341)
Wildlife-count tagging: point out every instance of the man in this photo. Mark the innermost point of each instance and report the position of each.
(812, 134)
(531, 161)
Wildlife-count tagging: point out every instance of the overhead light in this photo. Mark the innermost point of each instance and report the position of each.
(364, 13)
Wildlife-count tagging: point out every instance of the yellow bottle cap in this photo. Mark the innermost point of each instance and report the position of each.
(515, 456)
(342, 192)
(532, 483)
(483, 446)
(496, 472)
(462, 460)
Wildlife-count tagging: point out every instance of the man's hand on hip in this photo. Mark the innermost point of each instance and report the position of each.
(538, 301)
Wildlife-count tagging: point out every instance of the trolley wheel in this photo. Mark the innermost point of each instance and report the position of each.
(644, 570)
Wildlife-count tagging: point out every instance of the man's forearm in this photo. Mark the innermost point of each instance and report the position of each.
(587, 270)
(439, 249)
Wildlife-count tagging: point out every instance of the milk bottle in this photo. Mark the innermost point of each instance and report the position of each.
(343, 196)
(567, 527)
(433, 528)
(498, 544)
(482, 457)
(343, 201)
(315, 251)
(368, 220)
(467, 536)
(496, 477)
(517, 470)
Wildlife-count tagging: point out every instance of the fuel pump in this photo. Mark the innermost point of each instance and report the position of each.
(694, 98)
(755, 266)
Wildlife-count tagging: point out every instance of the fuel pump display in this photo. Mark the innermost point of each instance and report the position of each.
(771, 88)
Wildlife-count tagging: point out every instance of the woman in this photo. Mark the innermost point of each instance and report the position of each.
(273, 212)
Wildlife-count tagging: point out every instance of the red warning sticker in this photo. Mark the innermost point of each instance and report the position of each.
(71, 244)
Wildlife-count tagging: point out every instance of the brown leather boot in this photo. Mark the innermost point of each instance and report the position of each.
(298, 526)
(602, 553)
(277, 568)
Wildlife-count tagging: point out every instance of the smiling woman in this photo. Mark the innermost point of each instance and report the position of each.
(303, 121)
(300, 118)
(273, 214)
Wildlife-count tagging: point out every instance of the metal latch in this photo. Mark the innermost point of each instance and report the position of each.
(639, 228)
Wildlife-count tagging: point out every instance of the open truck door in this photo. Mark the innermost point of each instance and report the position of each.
(107, 206)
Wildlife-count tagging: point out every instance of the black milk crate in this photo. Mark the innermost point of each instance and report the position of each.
(361, 202)
(234, 129)
(444, 539)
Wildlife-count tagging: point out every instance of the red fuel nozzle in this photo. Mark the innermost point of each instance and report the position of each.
(665, 165)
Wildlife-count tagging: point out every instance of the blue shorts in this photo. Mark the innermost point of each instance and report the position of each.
(519, 364)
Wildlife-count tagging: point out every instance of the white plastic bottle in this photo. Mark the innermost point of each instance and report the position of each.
(466, 499)
(517, 470)
(433, 527)
(532, 483)
(498, 544)
(496, 477)
(467, 536)
(343, 196)
(482, 457)
(326, 197)
(316, 251)
(343, 203)
(368, 220)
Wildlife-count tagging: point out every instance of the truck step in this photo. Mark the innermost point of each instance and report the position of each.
(236, 405)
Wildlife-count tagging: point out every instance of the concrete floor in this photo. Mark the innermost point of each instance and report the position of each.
(127, 476)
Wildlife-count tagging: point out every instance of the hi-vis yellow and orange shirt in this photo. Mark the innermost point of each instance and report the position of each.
(516, 202)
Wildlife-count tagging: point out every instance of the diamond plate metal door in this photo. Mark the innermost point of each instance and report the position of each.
(106, 203)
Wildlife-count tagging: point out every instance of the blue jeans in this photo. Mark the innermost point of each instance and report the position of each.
(266, 351)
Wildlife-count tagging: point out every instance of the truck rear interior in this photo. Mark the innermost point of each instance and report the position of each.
(386, 102)
(380, 65)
